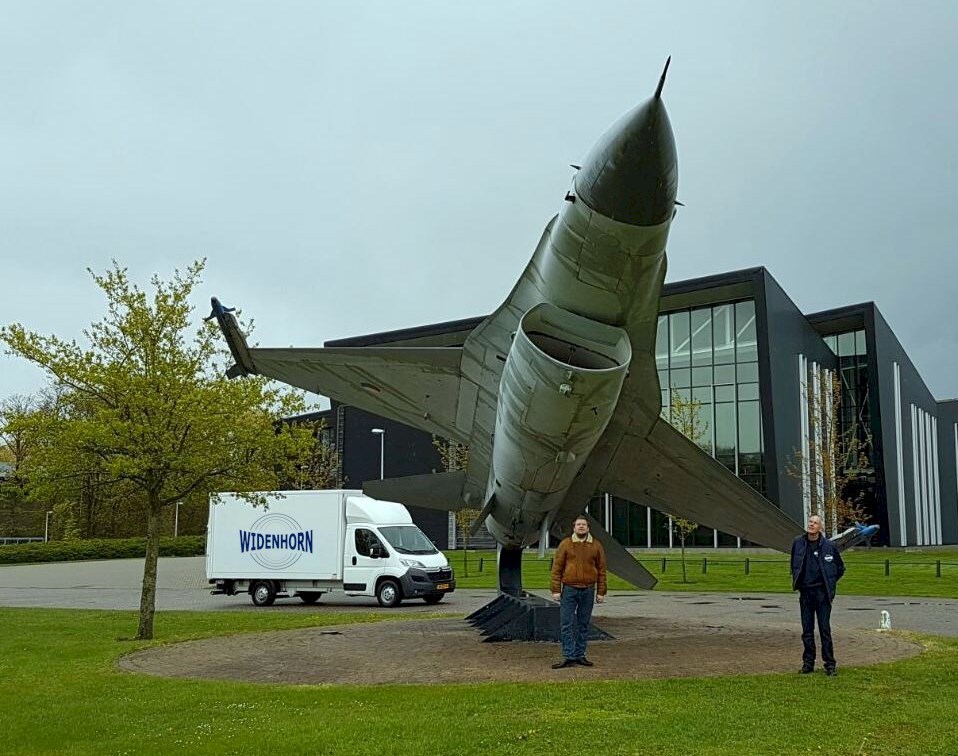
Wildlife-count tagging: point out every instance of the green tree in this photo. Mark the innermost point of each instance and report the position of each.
(14, 450)
(145, 405)
(20, 515)
(687, 416)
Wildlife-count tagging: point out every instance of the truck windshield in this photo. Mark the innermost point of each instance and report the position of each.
(408, 539)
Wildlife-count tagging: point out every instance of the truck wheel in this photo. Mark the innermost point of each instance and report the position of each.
(262, 593)
(388, 594)
(309, 597)
(433, 598)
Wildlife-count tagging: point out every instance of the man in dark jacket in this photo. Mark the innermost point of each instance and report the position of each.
(816, 569)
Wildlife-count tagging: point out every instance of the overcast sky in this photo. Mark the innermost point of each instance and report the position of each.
(357, 167)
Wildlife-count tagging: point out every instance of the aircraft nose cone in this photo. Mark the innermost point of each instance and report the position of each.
(631, 174)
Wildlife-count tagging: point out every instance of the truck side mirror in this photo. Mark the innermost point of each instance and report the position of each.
(376, 551)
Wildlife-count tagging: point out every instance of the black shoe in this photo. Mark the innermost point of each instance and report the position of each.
(562, 664)
(806, 669)
(582, 661)
(831, 671)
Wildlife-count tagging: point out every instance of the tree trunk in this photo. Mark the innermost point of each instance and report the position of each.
(148, 594)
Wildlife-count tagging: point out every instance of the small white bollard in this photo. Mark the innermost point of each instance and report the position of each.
(885, 622)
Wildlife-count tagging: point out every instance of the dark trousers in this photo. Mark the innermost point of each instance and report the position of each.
(814, 603)
(575, 616)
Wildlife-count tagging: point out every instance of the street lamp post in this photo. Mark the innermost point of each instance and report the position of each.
(46, 526)
(381, 432)
(176, 520)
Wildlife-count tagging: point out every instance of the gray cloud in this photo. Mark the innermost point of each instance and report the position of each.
(349, 168)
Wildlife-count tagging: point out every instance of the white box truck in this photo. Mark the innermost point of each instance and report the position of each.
(307, 543)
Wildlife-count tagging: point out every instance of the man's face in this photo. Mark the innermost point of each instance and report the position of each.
(814, 526)
(581, 527)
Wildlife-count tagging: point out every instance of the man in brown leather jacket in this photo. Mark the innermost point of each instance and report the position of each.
(578, 580)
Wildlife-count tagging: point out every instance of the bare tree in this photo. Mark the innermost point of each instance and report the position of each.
(834, 463)
(320, 467)
(455, 456)
(687, 416)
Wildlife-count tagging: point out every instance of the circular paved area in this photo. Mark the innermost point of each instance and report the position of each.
(449, 651)
(657, 633)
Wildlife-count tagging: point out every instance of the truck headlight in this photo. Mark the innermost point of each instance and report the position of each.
(413, 563)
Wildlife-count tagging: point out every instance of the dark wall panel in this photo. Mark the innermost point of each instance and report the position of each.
(948, 469)
(406, 451)
(788, 334)
(887, 351)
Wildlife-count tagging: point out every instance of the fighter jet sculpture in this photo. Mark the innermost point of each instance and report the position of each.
(556, 393)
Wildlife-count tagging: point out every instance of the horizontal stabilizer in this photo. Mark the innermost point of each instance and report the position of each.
(669, 473)
(618, 560)
(441, 491)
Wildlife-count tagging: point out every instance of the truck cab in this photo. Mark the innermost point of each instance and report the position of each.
(388, 557)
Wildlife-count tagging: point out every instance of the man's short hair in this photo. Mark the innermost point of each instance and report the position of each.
(581, 517)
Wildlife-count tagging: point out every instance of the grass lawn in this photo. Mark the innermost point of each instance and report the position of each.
(910, 574)
(60, 692)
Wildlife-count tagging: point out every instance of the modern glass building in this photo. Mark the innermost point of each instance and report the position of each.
(770, 387)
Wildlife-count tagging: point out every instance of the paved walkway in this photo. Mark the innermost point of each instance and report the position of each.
(182, 586)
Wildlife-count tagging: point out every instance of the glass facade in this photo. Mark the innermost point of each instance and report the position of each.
(855, 415)
(708, 356)
(852, 356)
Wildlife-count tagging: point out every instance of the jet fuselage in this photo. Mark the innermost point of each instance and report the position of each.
(593, 302)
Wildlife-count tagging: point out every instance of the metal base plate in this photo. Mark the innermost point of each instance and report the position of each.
(523, 618)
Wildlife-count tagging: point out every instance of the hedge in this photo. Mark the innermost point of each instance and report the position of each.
(98, 548)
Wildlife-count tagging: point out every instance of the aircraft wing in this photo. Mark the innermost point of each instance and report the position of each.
(670, 473)
(418, 386)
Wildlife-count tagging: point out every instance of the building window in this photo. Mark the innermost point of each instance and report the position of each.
(708, 355)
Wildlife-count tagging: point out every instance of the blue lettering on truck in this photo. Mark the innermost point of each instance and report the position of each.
(252, 541)
(276, 541)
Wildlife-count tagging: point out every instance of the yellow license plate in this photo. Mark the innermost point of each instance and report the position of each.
(442, 587)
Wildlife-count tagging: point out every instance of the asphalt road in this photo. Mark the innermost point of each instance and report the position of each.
(182, 585)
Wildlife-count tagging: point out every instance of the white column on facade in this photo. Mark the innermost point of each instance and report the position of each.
(926, 479)
(936, 487)
(956, 457)
(830, 494)
(929, 486)
(916, 474)
(818, 480)
(648, 527)
(607, 512)
(803, 425)
(920, 473)
(714, 538)
(900, 461)
(670, 531)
